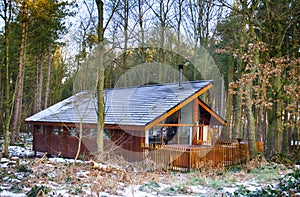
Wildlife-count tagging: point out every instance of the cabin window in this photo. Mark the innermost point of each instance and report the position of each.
(61, 131)
(106, 134)
(73, 132)
(45, 130)
(93, 133)
(155, 135)
(39, 129)
(185, 136)
(55, 130)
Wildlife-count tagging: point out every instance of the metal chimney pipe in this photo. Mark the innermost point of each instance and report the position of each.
(180, 68)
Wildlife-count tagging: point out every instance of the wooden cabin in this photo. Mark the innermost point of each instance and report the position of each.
(137, 121)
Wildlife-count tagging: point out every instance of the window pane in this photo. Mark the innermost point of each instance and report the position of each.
(73, 132)
(39, 129)
(93, 133)
(55, 130)
(106, 134)
(61, 131)
(45, 130)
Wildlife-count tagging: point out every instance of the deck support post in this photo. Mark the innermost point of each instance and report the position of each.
(188, 150)
(195, 121)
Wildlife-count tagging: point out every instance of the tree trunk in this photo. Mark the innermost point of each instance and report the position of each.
(275, 129)
(8, 101)
(19, 85)
(100, 78)
(237, 117)
(40, 83)
(125, 66)
(35, 107)
(48, 78)
(251, 122)
(7, 94)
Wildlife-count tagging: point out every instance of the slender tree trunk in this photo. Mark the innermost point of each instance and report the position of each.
(8, 101)
(19, 85)
(125, 66)
(248, 97)
(141, 25)
(228, 115)
(229, 100)
(35, 108)
(100, 79)
(80, 141)
(48, 78)
(40, 84)
(7, 93)
(237, 117)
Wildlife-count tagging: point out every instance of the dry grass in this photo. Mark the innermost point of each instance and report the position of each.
(113, 177)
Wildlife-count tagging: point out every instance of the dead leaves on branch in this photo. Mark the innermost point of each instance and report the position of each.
(270, 78)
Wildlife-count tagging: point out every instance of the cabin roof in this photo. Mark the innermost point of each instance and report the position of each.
(136, 106)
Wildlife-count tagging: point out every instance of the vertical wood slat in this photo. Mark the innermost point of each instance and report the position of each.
(185, 158)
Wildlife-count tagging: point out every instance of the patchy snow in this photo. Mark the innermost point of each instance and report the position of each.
(8, 193)
(21, 173)
(20, 151)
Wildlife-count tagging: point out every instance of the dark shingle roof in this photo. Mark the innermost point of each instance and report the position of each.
(124, 106)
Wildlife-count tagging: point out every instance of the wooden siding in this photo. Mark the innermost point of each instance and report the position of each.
(126, 144)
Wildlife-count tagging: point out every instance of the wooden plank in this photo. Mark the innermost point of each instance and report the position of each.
(183, 158)
(195, 121)
(125, 127)
(175, 125)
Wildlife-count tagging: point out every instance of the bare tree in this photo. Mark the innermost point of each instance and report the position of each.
(163, 17)
(101, 69)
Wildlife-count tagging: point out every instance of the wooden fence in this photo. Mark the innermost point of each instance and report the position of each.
(187, 157)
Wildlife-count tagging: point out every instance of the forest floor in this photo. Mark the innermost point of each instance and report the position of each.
(24, 175)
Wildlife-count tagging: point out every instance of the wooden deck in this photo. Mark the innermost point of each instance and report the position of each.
(187, 157)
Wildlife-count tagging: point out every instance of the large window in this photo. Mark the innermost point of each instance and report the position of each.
(155, 135)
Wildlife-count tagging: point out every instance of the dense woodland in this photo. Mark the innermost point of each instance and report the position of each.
(254, 43)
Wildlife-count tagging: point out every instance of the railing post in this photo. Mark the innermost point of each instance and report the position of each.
(188, 150)
(239, 149)
(171, 162)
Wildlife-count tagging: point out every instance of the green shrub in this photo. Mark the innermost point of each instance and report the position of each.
(288, 186)
(149, 187)
(38, 191)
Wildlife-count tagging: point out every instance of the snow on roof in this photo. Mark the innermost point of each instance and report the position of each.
(123, 106)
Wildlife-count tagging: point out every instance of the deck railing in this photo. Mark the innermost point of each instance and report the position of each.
(185, 158)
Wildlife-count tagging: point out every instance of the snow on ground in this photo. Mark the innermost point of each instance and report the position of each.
(24, 175)
(19, 152)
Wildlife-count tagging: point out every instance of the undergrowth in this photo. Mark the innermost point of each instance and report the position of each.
(289, 185)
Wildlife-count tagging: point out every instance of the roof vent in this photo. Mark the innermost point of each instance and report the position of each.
(180, 68)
